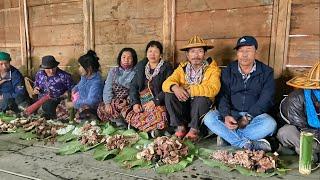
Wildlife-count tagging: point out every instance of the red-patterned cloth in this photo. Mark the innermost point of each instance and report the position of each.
(147, 120)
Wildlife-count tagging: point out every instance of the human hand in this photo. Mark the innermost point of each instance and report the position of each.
(36, 90)
(243, 122)
(180, 93)
(149, 106)
(137, 108)
(230, 122)
(3, 80)
(108, 108)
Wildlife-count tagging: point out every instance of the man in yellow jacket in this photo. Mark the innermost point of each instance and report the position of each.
(191, 89)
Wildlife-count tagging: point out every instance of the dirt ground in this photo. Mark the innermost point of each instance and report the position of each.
(20, 159)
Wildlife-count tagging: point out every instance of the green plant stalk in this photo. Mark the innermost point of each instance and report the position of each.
(305, 157)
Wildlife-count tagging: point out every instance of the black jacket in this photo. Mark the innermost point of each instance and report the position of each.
(293, 111)
(138, 82)
(256, 96)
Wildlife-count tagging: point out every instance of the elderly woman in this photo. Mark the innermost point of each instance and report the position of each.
(53, 82)
(87, 94)
(146, 95)
(116, 88)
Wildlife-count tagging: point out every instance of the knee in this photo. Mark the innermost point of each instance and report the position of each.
(169, 96)
(285, 131)
(268, 122)
(201, 100)
(211, 117)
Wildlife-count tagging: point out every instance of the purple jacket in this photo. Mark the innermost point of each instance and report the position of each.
(55, 85)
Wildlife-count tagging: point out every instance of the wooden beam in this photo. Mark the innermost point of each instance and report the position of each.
(173, 30)
(166, 29)
(23, 41)
(24, 36)
(168, 25)
(280, 36)
(88, 34)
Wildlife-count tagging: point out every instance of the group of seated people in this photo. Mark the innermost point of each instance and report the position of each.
(151, 96)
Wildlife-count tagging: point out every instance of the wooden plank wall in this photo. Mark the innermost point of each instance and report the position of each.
(125, 23)
(304, 38)
(10, 30)
(67, 28)
(222, 23)
(56, 28)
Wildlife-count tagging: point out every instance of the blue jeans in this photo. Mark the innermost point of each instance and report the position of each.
(258, 128)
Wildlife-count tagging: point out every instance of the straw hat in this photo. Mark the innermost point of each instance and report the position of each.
(308, 81)
(196, 41)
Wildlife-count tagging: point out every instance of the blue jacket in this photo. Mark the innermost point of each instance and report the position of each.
(14, 87)
(90, 91)
(254, 97)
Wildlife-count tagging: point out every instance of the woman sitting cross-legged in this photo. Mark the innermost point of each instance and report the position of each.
(87, 94)
(148, 112)
(116, 88)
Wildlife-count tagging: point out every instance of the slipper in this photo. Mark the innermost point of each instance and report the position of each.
(192, 135)
(180, 133)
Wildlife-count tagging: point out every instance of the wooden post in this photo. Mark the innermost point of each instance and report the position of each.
(280, 36)
(23, 43)
(168, 28)
(88, 33)
(173, 30)
(24, 36)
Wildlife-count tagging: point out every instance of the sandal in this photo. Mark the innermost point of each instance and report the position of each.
(181, 132)
(192, 135)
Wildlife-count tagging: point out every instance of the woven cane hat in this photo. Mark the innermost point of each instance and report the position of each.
(195, 42)
(307, 81)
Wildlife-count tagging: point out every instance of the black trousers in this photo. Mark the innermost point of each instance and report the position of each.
(189, 112)
(13, 103)
(49, 108)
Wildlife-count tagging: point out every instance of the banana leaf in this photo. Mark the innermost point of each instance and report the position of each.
(137, 164)
(101, 153)
(127, 154)
(85, 148)
(7, 118)
(108, 129)
(129, 132)
(144, 135)
(26, 135)
(204, 156)
(70, 148)
(67, 137)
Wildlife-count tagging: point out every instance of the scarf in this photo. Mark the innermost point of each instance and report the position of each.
(313, 119)
(156, 71)
(194, 77)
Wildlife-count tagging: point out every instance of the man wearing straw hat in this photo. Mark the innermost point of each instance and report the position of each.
(12, 89)
(246, 96)
(301, 110)
(191, 88)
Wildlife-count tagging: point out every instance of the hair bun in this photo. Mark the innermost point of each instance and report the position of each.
(93, 54)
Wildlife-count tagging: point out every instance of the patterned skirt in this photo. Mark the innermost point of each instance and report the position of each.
(147, 120)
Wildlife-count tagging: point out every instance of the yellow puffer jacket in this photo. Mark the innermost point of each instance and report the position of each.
(209, 86)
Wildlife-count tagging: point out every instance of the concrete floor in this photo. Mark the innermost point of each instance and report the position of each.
(35, 160)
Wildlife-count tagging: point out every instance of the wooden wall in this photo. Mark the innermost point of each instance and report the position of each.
(222, 23)
(125, 23)
(10, 30)
(55, 28)
(304, 38)
(287, 30)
